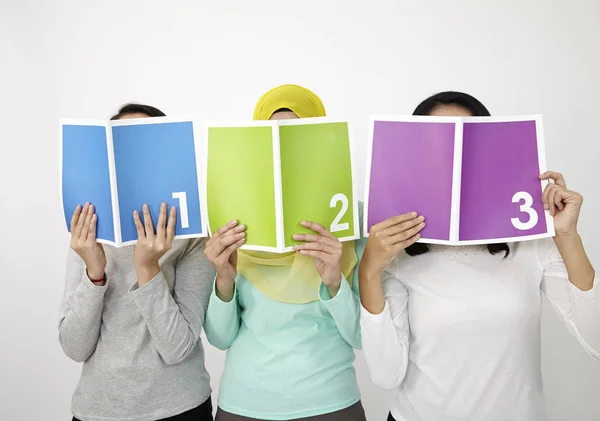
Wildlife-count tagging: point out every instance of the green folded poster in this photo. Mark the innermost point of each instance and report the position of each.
(272, 175)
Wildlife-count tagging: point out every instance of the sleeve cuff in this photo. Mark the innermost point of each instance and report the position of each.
(371, 318)
(590, 293)
(149, 288)
(215, 300)
(375, 323)
(325, 295)
(90, 286)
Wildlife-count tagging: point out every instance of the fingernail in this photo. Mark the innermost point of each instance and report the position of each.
(242, 234)
(296, 236)
(421, 218)
(232, 222)
(295, 248)
(145, 207)
(413, 214)
(422, 224)
(242, 227)
(303, 223)
(418, 236)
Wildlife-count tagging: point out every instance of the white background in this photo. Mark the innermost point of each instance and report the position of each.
(215, 58)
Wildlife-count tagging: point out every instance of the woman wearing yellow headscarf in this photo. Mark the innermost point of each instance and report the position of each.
(289, 322)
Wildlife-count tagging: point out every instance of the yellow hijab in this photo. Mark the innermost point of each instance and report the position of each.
(289, 277)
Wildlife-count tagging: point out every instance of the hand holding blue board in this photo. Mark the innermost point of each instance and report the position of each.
(120, 165)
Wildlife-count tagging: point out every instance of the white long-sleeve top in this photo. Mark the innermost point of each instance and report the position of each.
(459, 337)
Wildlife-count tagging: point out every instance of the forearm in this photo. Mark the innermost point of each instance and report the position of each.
(385, 347)
(581, 272)
(371, 290)
(222, 322)
(344, 308)
(80, 321)
(145, 273)
(224, 289)
(172, 335)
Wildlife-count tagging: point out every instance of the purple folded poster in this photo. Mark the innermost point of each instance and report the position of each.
(474, 179)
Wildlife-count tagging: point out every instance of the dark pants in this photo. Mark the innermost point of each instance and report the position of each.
(199, 413)
(352, 413)
(390, 418)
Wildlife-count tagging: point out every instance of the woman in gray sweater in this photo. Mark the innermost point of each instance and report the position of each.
(134, 315)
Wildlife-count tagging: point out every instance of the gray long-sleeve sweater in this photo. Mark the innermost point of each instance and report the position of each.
(140, 348)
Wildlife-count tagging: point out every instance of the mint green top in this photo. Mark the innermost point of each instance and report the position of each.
(287, 361)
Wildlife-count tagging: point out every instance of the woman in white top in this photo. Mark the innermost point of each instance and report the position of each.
(456, 330)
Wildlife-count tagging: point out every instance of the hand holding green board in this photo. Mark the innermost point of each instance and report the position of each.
(272, 175)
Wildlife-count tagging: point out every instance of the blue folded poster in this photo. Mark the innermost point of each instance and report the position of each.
(119, 165)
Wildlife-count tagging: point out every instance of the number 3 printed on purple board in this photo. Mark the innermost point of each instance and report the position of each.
(335, 225)
(525, 207)
(183, 208)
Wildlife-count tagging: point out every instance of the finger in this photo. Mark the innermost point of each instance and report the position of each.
(545, 196)
(327, 258)
(404, 226)
(75, 218)
(171, 225)
(559, 196)
(88, 220)
(394, 220)
(138, 225)
(148, 225)
(224, 242)
(162, 221)
(408, 242)
(234, 230)
(551, 204)
(405, 235)
(92, 232)
(233, 248)
(318, 228)
(319, 247)
(81, 220)
(315, 238)
(558, 178)
(224, 229)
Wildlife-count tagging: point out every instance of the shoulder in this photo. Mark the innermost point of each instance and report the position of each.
(542, 251)
(188, 246)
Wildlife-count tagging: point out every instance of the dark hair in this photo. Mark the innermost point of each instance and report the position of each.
(149, 110)
(282, 110)
(477, 109)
